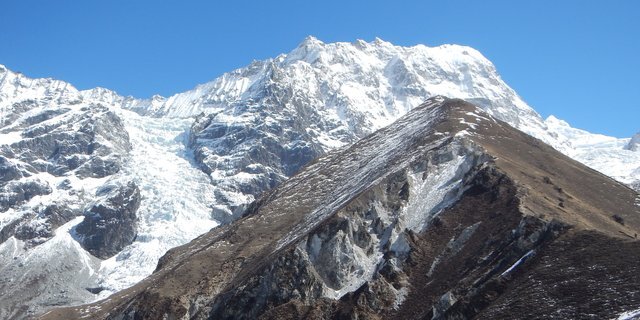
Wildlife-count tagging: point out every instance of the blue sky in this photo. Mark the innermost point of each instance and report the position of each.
(578, 60)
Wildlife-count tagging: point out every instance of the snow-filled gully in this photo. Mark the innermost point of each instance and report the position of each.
(176, 197)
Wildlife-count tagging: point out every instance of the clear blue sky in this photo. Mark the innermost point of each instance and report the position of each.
(578, 60)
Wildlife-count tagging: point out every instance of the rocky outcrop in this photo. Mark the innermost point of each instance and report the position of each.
(110, 224)
(634, 143)
(8, 170)
(336, 258)
(38, 227)
(245, 159)
(456, 259)
(438, 216)
(14, 193)
(91, 141)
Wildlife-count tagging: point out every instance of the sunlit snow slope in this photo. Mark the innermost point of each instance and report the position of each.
(615, 157)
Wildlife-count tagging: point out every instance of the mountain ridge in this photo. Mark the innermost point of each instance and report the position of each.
(372, 203)
(224, 143)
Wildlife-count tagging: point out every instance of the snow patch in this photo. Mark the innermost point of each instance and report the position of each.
(517, 263)
(629, 315)
(10, 138)
(436, 191)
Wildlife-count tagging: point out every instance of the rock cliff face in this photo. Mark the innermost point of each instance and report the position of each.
(110, 225)
(76, 142)
(446, 214)
(45, 146)
(56, 150)
(246, 158)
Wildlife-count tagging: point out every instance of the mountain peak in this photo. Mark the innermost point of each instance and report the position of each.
(310, 41)
(379, 42)
(553, 120)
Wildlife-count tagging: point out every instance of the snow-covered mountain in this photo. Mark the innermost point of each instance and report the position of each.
(68, 161)
(361, 86)
(263, 122)
(615, 157)
(198, 158)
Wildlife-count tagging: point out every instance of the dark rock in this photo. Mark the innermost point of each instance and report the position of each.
(8, 230)
(44, 116)
(110, 225)
(98, 167)
(618, 219)
(261, 148)
(65, 185)
(17, 110)
(36, 228)
(58, 214)
(95, 290)
(14, 193)
(33, 233)
(8, 171)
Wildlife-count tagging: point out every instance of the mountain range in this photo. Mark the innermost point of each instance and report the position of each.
(96, 187)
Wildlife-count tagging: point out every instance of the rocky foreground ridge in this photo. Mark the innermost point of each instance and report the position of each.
(447, 213)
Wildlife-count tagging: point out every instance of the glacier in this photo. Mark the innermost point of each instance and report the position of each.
(176, 198)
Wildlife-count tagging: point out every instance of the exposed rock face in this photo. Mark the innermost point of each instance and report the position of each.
(494, 237)
(14, 193)
(48, 134)
(634, 144)
(110, 224)
(55, 143)
(94, 147)
(56, 149)
(8, 170)
(86, 141)
(36, 229)
(446, 214)
(250, 157)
